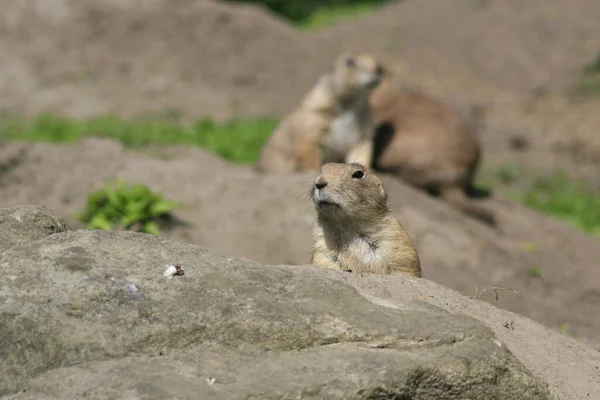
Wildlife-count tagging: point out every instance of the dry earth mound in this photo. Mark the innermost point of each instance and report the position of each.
(512, 43)
(196, 57)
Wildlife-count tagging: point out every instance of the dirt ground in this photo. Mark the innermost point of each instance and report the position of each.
(201, 58)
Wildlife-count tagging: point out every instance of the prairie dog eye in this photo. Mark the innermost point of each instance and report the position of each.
(350, 62)
(358, 174)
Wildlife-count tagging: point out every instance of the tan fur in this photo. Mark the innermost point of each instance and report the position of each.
(333, 122)
(355, 228)
(431, 147)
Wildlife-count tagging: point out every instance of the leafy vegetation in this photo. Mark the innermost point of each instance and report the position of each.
(508, 173)
(240, 141)
(570, 200)
(315, 13)
(328, 15)
(121, 207)
(530, 246)
(237, 140)
(588, 83)
(535, 272)
(555, 194)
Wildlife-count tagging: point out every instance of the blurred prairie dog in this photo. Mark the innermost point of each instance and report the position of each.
(427, 144)
(355, 229)
(333, 122)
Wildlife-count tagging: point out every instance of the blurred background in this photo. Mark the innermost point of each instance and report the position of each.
(175, 99)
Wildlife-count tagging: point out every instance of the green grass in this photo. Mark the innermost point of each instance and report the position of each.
(530, 246)
(240, 141)
(314, 14)
(570, 200)
(588, 83)
(535, 272)
(508, 173)
(328, 15)
(237, 140)
(555, 194)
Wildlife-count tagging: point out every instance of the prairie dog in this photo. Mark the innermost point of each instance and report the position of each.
(427, 144)
(333, 122)
(356, 229)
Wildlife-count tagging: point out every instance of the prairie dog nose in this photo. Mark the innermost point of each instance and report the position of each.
(320, 184)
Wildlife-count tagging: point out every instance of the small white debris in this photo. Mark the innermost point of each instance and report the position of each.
(210, 381)
(132, 289)
(173, 270)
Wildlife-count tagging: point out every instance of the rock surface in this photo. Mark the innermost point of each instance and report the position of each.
(24, 224)
(235, 211)
(89, 313)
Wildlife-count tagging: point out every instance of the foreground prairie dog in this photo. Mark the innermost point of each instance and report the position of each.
(355, 229)
(333, 122)
(427, 144)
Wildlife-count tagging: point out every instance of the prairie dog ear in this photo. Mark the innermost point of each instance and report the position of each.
(381, 189)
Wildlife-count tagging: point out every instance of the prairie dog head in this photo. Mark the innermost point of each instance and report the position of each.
(348, 191)
(354, 74)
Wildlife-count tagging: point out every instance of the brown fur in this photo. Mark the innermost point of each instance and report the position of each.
(427, 144)
(317, 132)
(356, 229)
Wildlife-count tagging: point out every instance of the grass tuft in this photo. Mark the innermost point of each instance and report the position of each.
(588, 83)
(569, 200)
(240, 141)
(535, 272)
(325, 16)
(237, 140)
(315, 14)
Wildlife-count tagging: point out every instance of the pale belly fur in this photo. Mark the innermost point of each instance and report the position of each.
(345, 133)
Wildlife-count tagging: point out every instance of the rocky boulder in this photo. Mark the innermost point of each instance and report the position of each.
(234, 211)
(90, 313)
(21, 225)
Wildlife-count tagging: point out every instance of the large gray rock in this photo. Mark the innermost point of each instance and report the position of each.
(234, 211)
(90, 314)
(24, 224)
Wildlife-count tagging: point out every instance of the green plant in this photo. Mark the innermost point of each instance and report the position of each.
(238, 140)
(535, 272)
(530, 246)
(588, 82)
(565, 329)
(570, 200)
(495, 289)
(121, 207)
(328, 15)
(299, 11)
(508, 173)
